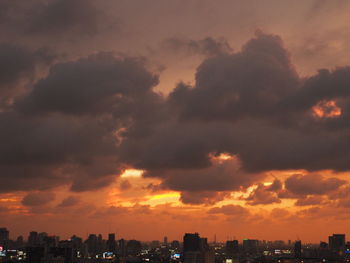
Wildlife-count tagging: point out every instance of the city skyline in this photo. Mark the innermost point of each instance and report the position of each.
(153, 118)
(194, 248)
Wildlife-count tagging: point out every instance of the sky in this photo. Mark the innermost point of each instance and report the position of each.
(156, 118)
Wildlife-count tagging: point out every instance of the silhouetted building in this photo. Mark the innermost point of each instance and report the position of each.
(111, 243)
(33, 239)
(122, 247)
(35, 254)
(191, 242)
(175, 244)
(19, 242)
(42, 237)
(297, 249)
(92, 244)
(336, 242)
(323, 245)
(155, 244)
(232, 247)
(196, 249)
(133, 247)
(250, 246)
(4, 236)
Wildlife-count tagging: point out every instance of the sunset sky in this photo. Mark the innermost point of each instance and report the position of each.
(153, 118)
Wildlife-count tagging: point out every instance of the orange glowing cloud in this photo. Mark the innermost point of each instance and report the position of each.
(326, 109)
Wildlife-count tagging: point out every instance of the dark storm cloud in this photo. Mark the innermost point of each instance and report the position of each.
(202, 197)
(312, 184)
(221, 177)
(19, 65)
(262, 195)
(91, 117)
(46, 152)
(71, 118)
(310, 200)
(125, 185)
(275, 186)
(207, 46)
(90, 85)
(253, 105)
(60, 16)
(69, 202)
(59, 19)
(230, 210)
(38, 198)
(251, 83)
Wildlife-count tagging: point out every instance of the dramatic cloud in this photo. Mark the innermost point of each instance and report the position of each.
(90, 85)
(66, 19)
(310, 200)
(184, 93)
(18, 66)
(250, 108)
(312, 184)
(42, 153)
(38, 198)
(69, 202)
(207, 46)
(202, 197)
(262, 195)
(230, 210)
(250, 83)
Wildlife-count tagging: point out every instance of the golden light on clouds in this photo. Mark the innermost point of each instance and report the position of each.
(132, 173)
(164, 198)
(326, 109)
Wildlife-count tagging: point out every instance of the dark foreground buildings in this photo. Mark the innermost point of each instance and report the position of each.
(41, 247)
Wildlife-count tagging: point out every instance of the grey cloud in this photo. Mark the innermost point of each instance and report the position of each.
(208, 46)
(252, 83)
(19, 66)
(312, 184)
(125, 185)
(231, 210)
(47, 152)
(202, 197)
(89, 85)
(69, 202)
(275, 186)
(59, 20)
(310, 200)
(38, 199)
(90, 117)
(262, 195)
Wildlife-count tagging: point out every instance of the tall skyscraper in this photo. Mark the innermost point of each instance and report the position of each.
(196, 249)
(250, 246)
(297, 249)
(232, 247)
(336, 242)
(4, 235)
(33, 239)
(111, 243)
(92, 244)
(191, 242)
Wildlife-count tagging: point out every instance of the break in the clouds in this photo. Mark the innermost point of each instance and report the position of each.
(90, 117)
(81, 118)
